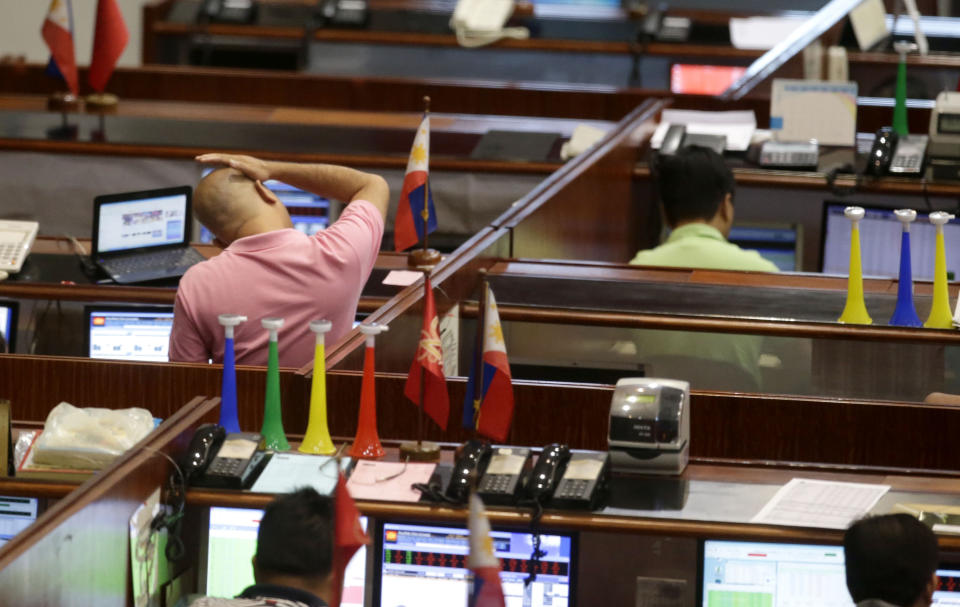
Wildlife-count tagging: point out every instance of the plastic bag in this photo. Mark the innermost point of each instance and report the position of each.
(89, 438)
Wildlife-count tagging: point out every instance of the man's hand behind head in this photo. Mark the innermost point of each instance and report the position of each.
(254, 168)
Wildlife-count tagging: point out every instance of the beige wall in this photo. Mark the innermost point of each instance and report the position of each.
(22, 19)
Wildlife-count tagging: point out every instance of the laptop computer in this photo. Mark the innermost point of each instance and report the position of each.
(143, 236)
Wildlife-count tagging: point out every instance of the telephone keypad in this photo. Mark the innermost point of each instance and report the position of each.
(496, 483)
(227, 466)
(572, 488)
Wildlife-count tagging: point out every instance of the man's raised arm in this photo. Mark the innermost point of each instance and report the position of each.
(327, 180)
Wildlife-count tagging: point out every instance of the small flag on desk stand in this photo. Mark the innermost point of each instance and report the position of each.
(348, 536)
(109, 40)
(427, 367)
(415, 213)
(486, 590)
(488, 405)
(57, 32)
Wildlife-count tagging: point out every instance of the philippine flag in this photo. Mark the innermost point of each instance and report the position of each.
(486, 590)
(56, 32)
(490, 409)
(408, 227)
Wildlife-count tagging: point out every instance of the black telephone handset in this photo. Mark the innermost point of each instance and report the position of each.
(220, 460)
(547, 471)
(472, 459)
(881, 153)
(506, 475)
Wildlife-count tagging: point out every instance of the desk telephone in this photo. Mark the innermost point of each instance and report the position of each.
(217, 459)
(228, 11)
(891, 153)
(16, 240)
(560, 478)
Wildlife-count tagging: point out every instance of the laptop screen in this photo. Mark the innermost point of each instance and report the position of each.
(16, 514)
(776, 575)
(232, 542)
(425, 565)
(124, 222)
(137, 333)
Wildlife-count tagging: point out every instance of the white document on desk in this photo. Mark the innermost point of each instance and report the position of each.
(805, 502)
(737, 126)
(286, 472)
(761, 33)
(804, 110)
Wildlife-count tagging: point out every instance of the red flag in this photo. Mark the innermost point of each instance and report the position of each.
(429, 357)
(59, 38)
(348, 536)
(109, 40)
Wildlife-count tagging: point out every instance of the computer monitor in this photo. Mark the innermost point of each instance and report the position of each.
(947, 593)
(309, 212)
(8, 323)
(425, 565)
(232, 542)
(772, 575)
(880, 235)
(138, 333)
(777, 243)
(16, 514)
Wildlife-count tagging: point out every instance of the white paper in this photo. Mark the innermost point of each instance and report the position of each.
(737, 126)
(802, 110)
(762, 33)
(286, 472)
(806, 502)
(401, 278)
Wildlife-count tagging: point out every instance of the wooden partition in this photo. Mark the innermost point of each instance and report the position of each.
(272, 88)
(78, 552)
(35, 384)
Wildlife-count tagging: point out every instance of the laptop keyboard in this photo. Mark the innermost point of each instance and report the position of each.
(171, 259)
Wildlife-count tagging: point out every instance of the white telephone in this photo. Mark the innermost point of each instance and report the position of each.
(480, 22)
(16, 239)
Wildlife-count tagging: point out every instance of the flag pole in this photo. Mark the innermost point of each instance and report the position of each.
(478, 353)
(425, 213)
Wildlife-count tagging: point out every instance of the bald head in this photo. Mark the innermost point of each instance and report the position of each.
(231, 205)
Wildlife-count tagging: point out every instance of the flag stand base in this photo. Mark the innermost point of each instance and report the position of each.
(420, 451)
(423, 260)
(102, 102)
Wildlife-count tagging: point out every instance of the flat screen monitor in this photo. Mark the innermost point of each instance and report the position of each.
(425, 565)
(777, 243)
(692, 79)
(8, 324)
(16, 514)
(947, 593)
(773, 575)
(137, 333)
(880, 235)
(232, 542)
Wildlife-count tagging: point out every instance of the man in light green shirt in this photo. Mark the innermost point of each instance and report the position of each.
(696, 191)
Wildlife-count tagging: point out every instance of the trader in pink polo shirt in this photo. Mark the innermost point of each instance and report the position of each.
(268, 268)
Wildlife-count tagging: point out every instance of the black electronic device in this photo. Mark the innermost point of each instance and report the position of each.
(584, 480)
(506, 475)
(217, 459)
(897, 155)
(547, 471)
(343, 13)
(673, 139)
(472, 459)
(8, 325)
(228, 11)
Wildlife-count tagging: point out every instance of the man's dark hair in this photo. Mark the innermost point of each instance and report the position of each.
(693, 183)
(891, 558)
(296, 535)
